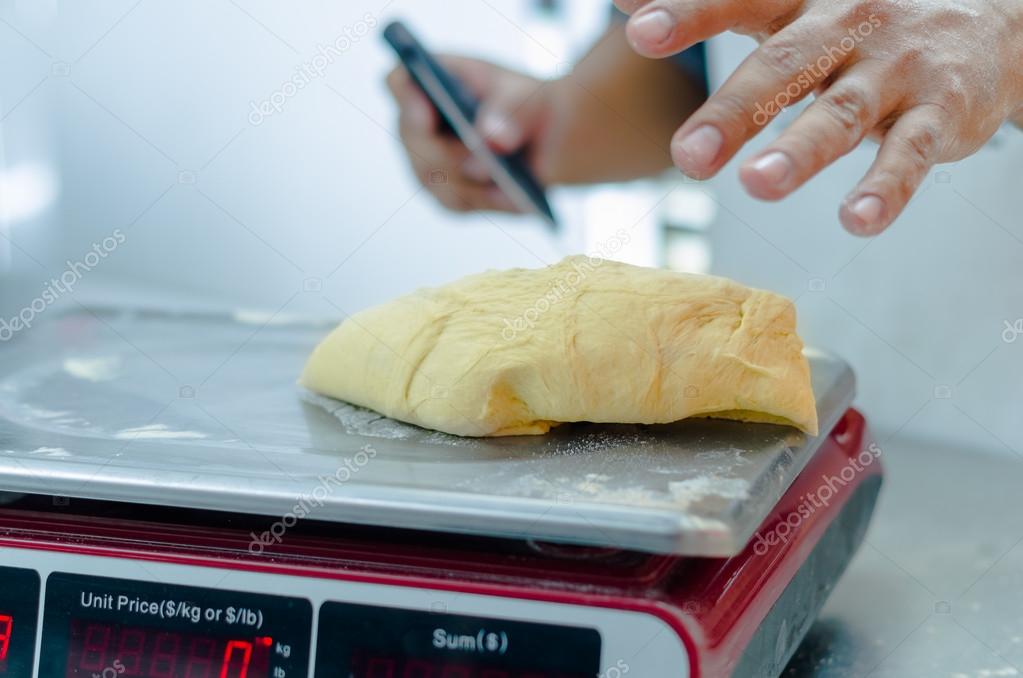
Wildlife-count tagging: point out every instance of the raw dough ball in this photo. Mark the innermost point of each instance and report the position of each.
(516, 352)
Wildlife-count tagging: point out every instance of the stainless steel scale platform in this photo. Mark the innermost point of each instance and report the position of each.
(202, 411)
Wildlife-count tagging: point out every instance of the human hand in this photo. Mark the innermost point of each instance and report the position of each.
(932, 82)
(515, 113)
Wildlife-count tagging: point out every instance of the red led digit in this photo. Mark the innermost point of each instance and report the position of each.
(6, 626)
(95, 647)
(236, 647)
(165, 654)
(200, 658)
(129, 650)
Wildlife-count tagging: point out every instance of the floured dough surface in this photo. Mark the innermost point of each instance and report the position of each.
(517, 352)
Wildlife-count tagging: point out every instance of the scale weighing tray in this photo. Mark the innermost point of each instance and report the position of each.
(202, 411)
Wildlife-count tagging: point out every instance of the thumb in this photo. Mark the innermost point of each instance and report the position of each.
(508, 118)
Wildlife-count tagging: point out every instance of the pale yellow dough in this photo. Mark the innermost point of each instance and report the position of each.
(516, 352)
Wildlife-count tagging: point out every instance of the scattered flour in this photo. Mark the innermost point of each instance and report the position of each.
(687, 492)
(360, 421)
(93, 369)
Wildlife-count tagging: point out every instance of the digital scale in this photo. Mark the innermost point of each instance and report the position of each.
(174, 506)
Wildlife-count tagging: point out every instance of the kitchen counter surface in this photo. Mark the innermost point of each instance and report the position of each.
(937, 588)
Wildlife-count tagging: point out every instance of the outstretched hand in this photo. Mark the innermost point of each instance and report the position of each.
(932, 82)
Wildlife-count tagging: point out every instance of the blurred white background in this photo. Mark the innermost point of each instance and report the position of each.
(137, 115)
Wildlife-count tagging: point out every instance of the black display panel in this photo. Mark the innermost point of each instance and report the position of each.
(119, 628)
(19, 616)
(361, 641)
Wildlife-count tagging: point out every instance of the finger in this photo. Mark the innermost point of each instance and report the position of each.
(665, 27)
(416, 111)
(781, 72)
(435, 153)
(460, 196)
(477, 75)
(398, 80)
(834, 124)
(475, 170)
(911, 147)
(509, 117)
(430, 147)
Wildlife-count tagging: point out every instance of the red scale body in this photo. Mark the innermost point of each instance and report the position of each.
(716, 606)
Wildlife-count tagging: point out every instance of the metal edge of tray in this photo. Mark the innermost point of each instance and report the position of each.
(655, 530)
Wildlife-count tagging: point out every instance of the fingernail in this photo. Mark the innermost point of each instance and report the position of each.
(867, 214)
(775, 167)
(698, 151)
(652, 28)
(474, 169)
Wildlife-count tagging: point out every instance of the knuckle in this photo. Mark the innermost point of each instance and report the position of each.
(919, 146)
(909, 59)
(952, 99)
(940, 116)
(871, 10)
(782, 55)
(851, 107)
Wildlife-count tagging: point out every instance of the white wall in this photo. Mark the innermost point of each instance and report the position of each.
(156, 138)
(27, 177)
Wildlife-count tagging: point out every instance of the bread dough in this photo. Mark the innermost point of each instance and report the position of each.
(517, 352)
